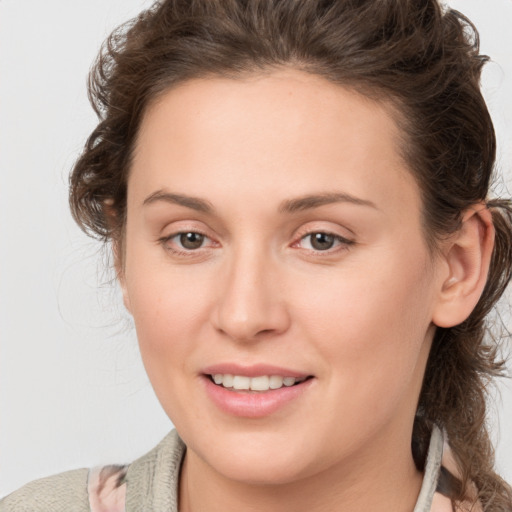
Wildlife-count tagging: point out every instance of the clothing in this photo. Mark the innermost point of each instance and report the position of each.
(150, 484)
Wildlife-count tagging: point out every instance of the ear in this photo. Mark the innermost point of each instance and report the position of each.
(116, 239)
(117, 251)
(467, 257)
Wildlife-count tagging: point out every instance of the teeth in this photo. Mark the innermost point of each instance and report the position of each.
(260, 383)
(227, 381)
(240, 382)
(276, 382)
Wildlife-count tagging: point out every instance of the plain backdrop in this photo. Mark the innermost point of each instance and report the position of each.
(73, 392)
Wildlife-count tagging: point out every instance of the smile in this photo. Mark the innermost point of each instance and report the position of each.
(255, 396)
(259, 383)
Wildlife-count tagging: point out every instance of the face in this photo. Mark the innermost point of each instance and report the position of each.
(274, 242)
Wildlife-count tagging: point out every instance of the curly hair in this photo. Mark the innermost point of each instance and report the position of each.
(422, 59)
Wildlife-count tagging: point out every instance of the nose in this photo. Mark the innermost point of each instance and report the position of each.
(250, 305)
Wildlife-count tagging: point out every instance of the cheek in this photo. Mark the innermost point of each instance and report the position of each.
(167, 317)
(392, 296)
(371, 321)
(167, 311)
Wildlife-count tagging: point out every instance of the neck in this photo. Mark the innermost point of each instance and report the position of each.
(384, 479)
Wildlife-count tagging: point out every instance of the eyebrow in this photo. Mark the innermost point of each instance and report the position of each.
(194, 203)
(288, 206)
(316, 200)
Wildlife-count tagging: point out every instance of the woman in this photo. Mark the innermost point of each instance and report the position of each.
(296, 194)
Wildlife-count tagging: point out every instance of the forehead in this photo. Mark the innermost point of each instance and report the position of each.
(286, 131)
(288, 101)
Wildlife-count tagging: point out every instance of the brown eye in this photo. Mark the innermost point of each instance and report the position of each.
(322, 241)
(191, 240)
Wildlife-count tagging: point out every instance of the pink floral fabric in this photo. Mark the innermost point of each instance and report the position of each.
(107, 489)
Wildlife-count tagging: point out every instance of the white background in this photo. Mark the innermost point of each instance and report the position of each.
(73, 392)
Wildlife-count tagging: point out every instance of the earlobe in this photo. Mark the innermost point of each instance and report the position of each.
(116, 240)
(119, 268)
(467, 258)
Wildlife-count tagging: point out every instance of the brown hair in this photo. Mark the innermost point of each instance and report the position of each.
(424, 61)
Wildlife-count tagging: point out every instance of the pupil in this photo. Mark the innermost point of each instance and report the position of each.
(322, 241)
(191, 240)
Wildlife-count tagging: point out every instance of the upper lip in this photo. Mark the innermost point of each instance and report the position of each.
(253, 370)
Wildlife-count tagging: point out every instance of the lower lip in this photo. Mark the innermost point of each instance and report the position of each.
(253, 404)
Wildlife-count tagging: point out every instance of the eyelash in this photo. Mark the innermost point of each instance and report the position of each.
(344, 243)
(164, 241)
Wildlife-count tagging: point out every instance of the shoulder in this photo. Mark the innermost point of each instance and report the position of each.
(152, 481)
(66, 492)
(448, 481)
(148, 483)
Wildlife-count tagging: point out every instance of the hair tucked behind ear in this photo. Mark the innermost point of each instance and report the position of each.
(462, 363)
(407, 53)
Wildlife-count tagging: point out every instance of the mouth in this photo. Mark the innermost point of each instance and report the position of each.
(256, 391)
(258, 384)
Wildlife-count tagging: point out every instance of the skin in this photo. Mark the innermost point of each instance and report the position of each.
(358, 317)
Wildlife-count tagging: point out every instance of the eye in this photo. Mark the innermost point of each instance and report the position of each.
(185, 241)
(190, 240)
(322, 241)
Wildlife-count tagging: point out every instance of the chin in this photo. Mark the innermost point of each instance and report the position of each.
(262, 468)
(257, 457)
